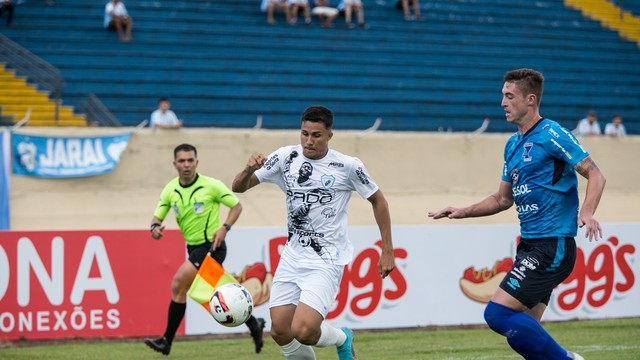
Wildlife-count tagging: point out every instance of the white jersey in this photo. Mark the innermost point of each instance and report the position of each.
(317, 194)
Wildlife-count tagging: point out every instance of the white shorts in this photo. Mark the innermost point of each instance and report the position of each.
(315, 286)
(298, 2)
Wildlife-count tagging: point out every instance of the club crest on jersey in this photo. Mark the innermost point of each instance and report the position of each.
(328, 181)
(526, 155)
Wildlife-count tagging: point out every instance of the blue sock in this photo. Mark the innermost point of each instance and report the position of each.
(524, 334)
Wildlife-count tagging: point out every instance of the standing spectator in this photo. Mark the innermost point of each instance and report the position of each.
(270, 7)
(325, 13)
(615, 128)
(295, 6)
(589, 126)
(406, 6)
(539, 175)
(195, 200)
(117, 17)
(163, 117)
(6, 5)
(318, 182)
(349, 7)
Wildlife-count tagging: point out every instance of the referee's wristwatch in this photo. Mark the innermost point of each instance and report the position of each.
(227, 226)
(153, 226)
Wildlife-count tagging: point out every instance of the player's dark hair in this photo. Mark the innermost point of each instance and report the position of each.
(163, 99)
(318, 114)
(184, 147)
(528, 81)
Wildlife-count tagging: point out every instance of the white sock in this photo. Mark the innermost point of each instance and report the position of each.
(330, 336)
(296, 351)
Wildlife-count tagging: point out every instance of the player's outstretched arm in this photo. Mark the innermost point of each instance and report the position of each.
(492, 204)
(246, 179)
(383, 219)
(595, 186)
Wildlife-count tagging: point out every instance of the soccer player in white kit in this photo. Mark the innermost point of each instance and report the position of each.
(318, 183)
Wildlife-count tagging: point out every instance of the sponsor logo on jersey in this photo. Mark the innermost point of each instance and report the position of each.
(526, 155)
(271, 162)
(527, 208)
(335, 164)
(329, 212)
(520, 190)
(362, 176)
(566, 153)
(515, 175)
(554, 133)
(310, 197)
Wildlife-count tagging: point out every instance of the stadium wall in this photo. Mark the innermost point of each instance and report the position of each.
(417, 172)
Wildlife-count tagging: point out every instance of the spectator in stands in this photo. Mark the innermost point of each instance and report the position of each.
(6, 5)
(350, 6)
(270, 7)
(615, 128)
(589, 126)
(295, 6)
(117, 17)
(163, 117)
(406, 6)
(325, 13)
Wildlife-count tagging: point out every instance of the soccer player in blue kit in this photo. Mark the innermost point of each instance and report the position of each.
(540, 164)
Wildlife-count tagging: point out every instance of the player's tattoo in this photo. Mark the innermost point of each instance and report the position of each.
(585, 166)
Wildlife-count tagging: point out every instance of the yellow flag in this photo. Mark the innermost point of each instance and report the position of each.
(210, 276)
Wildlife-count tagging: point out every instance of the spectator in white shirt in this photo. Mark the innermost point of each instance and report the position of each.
(615, 128)
(589, 126)
(117, 17)
(163, 118)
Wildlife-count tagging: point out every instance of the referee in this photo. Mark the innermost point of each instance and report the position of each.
(195, 200)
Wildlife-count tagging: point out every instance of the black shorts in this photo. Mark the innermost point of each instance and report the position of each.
(540, 266)
(197, 253)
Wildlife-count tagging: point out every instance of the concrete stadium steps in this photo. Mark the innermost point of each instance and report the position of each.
(610, 16)
(222, 65)
(17, 97)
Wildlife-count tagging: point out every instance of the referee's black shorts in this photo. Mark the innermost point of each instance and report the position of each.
(197, 253)
(540, 266)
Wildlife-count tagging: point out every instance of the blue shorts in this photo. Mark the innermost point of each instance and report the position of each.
(540, 266)
(197, 253)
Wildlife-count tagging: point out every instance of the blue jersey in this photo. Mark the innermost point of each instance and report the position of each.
(540, 167)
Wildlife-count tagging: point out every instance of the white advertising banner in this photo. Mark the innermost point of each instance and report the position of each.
(444, 276)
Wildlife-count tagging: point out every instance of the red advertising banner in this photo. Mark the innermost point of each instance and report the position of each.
(60, 284)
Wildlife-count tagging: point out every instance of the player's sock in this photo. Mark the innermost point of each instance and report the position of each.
(296, 351)
(330, 336)
(176, 313)
(524, 334)
(252, 323)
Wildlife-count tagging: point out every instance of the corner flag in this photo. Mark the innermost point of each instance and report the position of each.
(210, 276)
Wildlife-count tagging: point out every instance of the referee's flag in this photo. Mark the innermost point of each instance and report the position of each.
(210, 276)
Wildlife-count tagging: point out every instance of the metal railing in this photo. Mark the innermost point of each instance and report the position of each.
(38, 71)
(98, 114)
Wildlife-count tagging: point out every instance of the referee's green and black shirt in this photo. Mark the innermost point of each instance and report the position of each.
(196, 207)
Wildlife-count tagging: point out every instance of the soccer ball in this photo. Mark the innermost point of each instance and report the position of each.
(231, 305)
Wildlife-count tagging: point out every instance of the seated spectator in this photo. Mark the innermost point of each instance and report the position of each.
(6, 5)
(270, 7)
(349, 6)
(325, 13)
(589, 126)
(117, 17)
(615, 128)
(406, 6)
(295, 6)
(163, 117)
